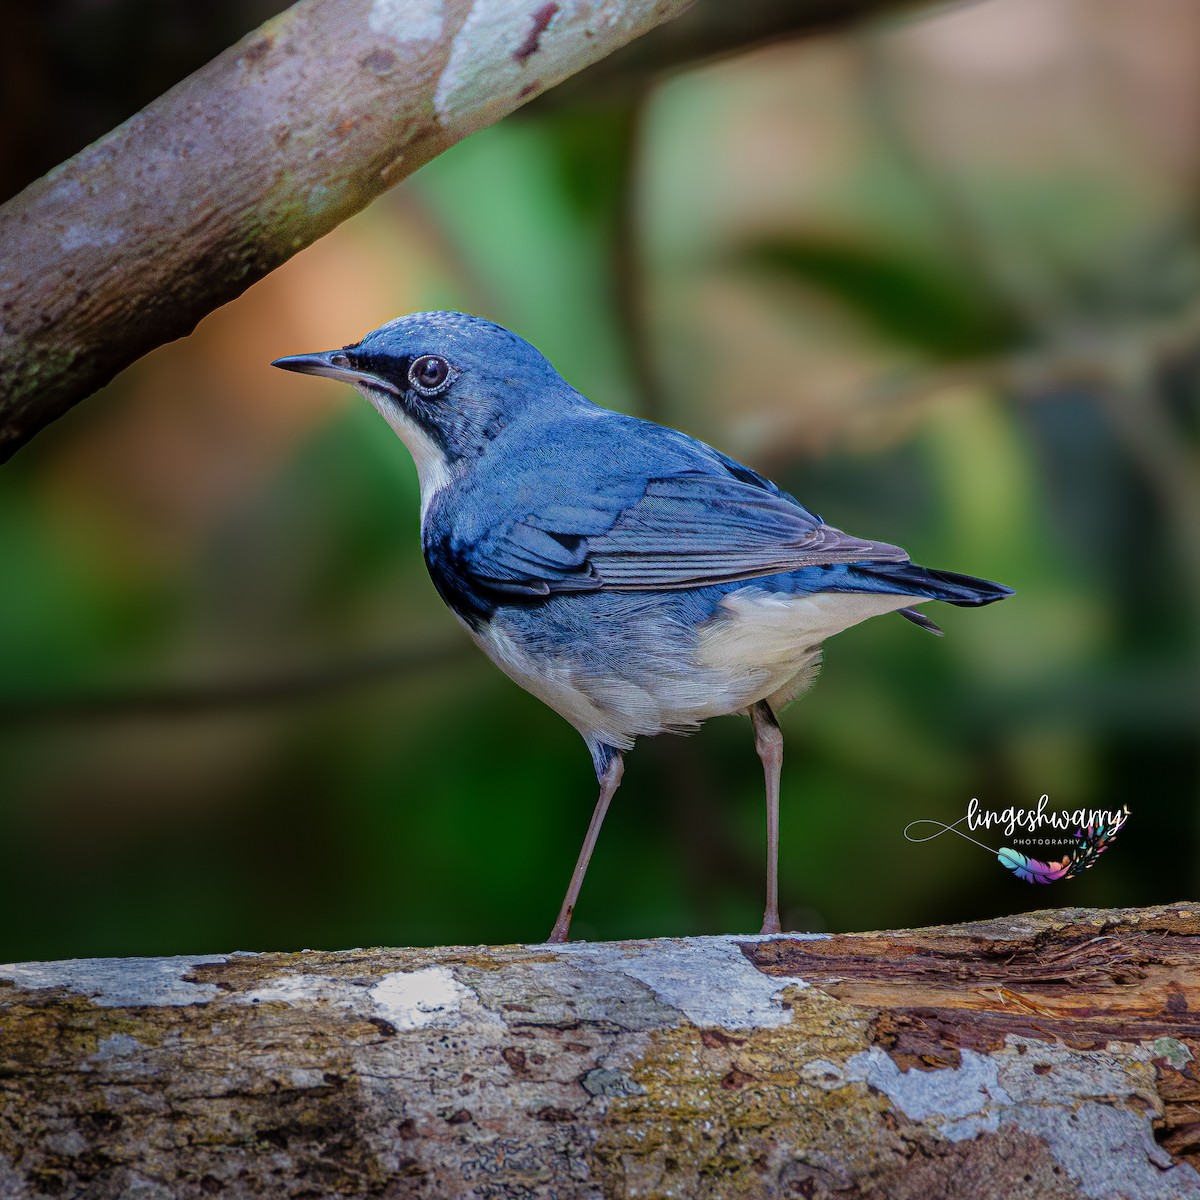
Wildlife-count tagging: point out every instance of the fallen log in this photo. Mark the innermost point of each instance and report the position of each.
(1052, 1054)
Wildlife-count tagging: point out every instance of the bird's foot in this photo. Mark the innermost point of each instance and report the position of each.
(771, 923)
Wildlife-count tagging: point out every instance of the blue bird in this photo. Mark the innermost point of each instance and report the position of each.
(631, 577)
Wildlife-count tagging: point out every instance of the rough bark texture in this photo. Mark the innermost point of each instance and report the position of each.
(1050, 1055)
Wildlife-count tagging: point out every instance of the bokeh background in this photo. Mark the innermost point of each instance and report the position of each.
(939, 276)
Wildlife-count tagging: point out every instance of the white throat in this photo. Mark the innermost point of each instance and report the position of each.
(433, 468)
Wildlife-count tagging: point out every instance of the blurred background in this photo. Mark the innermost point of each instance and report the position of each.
(939, 276)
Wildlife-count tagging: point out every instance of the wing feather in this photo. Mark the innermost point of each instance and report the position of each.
(689, 529)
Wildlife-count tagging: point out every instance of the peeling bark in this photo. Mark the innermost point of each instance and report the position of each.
(1051, 1055)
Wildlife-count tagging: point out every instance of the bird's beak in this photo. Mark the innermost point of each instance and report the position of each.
(316, 364)
(326, 364)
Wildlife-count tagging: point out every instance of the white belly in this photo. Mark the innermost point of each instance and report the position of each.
(760, 645)
(780, 635)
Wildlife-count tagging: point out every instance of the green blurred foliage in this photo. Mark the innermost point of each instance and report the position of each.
(903, 298)
(761, 255)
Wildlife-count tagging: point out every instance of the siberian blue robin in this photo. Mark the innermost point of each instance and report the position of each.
(634, 579)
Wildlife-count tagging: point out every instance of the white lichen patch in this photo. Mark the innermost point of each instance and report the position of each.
(1092, 1108)
(708, 979)
(303, 989)
(504, 48)
(118, 1045)
(969, 1128)
(77, 236)
(413, 999)
(121, 982)
(405, 999)
(822, 1073)
(1109, 1151)
(1043, 1072)
(306, 1077)
(408, 20)
(952, 1092)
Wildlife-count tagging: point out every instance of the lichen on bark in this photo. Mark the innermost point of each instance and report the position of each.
(1050, 1055)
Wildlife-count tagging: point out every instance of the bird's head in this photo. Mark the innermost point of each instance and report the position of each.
(446, 382)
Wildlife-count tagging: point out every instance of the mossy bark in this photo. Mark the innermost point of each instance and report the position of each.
(1048, 1055)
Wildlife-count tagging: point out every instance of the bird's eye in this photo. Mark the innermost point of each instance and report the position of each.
(429, 373)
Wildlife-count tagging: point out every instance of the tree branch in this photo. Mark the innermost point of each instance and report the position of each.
(1052, 1054)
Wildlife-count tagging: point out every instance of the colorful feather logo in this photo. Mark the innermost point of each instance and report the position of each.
(1090, 843)
(1033, 871)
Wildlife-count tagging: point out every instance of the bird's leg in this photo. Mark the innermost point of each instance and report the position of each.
(610, 780)
(768, 741)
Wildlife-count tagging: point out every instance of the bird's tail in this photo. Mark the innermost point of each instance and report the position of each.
(908, 579)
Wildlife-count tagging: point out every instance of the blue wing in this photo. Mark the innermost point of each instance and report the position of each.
(705, 519)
